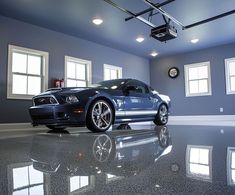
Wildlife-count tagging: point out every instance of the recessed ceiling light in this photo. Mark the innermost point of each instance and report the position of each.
(140, 39)
(97, 21)
(194, 40)
(154, 54)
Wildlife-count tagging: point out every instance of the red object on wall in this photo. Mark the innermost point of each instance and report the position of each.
(58, 83)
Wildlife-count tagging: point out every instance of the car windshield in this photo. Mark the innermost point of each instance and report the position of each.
(111, 84)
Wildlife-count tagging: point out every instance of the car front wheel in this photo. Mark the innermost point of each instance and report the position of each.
(99, 116)
(162, 115)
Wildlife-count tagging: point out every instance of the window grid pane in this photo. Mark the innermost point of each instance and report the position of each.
(19, 84)
(202, 72)
(19, 62)
(107, 74)
(71, 70)
(232, 83)
(34, 85)
(203, 86)
(81, 71)
(193, 87)
(34, 65)
(232, 68)
(233, 160)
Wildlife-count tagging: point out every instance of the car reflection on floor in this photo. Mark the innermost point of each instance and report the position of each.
(119, 153)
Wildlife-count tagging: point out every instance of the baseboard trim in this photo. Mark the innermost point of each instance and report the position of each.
(211, 120)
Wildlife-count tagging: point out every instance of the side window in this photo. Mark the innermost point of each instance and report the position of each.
(138, 87)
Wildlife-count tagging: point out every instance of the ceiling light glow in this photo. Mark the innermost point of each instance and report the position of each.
(194, 40)
(140, 39)
(154, 54)
(97, 21)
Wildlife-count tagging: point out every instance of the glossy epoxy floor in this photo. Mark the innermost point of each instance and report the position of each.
(148, 160)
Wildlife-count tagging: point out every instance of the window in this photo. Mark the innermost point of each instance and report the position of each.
(197, 79)
(231, 165)
(230, 75)
(24, 179)
(27, 72)
(77, 72)
(112, 72)
(79, 184)
(138, 87)
(199, 162)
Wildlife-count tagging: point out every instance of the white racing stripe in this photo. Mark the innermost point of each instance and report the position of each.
(135, 113)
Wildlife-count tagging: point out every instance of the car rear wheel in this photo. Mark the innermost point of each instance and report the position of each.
(162, 115)
(99, 116)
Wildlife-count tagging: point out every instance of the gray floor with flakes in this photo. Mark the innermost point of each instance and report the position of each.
(179, 160)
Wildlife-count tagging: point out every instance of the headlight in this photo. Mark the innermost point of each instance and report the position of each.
(71, 99)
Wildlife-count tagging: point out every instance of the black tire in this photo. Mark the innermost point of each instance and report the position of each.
(162, 115)
(55, 128)
(99, 116)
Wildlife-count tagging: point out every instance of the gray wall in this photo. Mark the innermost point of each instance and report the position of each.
(175, 88)
(58, 45)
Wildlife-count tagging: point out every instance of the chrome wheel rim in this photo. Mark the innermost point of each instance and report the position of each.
(163, 136)
(102, 148)
(163, 113)
(101, 115)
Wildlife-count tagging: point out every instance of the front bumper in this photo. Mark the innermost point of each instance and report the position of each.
(57, 115)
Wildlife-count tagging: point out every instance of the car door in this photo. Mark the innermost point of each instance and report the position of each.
(138, 101)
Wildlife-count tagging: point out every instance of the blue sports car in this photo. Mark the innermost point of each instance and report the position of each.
(108, 102)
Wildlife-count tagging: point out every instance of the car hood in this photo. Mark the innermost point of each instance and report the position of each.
(65, 90)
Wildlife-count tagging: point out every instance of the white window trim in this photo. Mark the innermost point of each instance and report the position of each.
(45, 55)
(229, 173)
(187, 163)
(82, 61)
(227, 75)
(186, 68)
(112, 67)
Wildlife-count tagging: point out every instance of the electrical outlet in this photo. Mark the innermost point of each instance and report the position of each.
(221, 109)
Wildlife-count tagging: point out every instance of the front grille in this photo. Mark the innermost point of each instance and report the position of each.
(44, 100)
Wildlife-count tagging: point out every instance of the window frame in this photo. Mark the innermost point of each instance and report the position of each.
(228, 76)
(88, 65)
(187, 163)
(46, 178)
(112, 67)
(186, 75)
(43, 75)
(230, 150)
